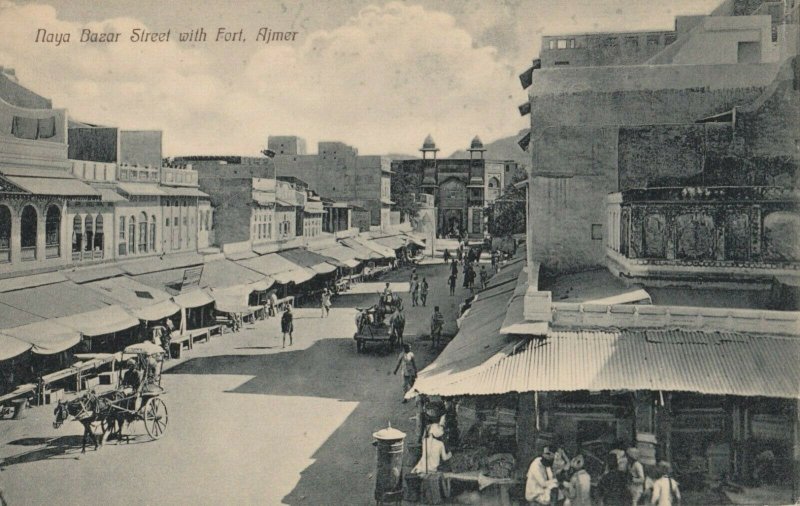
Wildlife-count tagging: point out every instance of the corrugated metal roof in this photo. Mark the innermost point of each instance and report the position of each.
(479, 340)
(718, 363)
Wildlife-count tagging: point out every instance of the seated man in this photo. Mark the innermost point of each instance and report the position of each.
(433, 451)
(132, 379)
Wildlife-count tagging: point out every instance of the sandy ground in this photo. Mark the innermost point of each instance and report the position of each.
(249, 422)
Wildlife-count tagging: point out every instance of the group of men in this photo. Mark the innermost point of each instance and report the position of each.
(553, 479)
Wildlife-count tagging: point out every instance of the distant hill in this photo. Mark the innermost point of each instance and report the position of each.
(502, 149)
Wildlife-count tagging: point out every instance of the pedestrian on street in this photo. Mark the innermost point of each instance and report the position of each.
(467, 270)
(406, 359)
(484, 277)
(454, 267)
(665, 489)
(452, 282)
(636, 472)
(460, 254)
(494, 261)
(446, 255)
(325, 302)
(579, 487)
(423, 291)
(287, 324)
(398, 324)
(413, 274)
(415, 292)
(613, 485)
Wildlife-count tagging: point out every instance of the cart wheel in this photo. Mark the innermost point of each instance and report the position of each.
(155, 417)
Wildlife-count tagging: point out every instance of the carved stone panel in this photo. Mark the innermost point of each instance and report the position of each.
(654, 236)
(695, 236)
(737, 236)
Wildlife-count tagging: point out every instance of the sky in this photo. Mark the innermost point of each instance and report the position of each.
(379, 75)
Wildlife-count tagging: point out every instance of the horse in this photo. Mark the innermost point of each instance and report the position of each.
(89, 409)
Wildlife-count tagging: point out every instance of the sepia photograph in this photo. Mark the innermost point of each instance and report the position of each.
(400, 252)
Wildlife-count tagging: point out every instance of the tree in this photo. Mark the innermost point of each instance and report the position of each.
(507, 213)
(404, 194)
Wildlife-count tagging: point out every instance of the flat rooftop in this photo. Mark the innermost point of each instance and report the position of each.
(597, 284)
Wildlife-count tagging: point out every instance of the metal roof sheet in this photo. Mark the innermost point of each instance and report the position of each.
(182, 191)
(129, 292)
(282, 270)
(161, 263)
(478, 341)
(109, 195)
(394, 242)
(717, 363)
(361, 252)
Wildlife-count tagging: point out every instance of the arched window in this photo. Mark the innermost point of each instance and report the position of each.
(52, 232)
(152, 233)
(77, 235)
(29, 231)
(98, 235)
(5, 234)
(142, 247)
(132, 234)
(88, 230)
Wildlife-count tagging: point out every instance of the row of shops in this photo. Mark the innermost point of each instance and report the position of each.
(722, 407)
(61, 331)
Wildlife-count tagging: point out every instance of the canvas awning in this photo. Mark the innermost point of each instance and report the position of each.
(361, 252)
(129, 292)
(100, 322)
(47, 336)
(342, 254)
(156, 312)
(144, 302)
(54, 186)
(176, 191)
(161, 263)
(109, 195)
(141, 189)
(55, 300)
(232, 299)
(11, 347)
(193, 299)
(377, 248)
(261, 285)
(279, 268)
(309, 259)
(225, 273)
(416, 240)
(394, 242)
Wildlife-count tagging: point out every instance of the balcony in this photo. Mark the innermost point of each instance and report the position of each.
(137, 174)
(178, 176)
(714, 233)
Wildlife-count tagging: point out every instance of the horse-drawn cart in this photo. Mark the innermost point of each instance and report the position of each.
(137, 397)
(372, 325)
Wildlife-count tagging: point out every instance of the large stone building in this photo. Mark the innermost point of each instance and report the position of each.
(715, 107)
(461, 188)
(338, 172)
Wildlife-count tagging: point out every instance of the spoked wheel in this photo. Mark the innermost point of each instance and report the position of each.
(155, 417)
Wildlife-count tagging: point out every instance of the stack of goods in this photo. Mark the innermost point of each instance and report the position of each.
(500, 465)
(469, 460)
(506, 422)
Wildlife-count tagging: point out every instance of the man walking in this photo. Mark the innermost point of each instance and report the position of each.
(423, 291)
(414, 292)
(446, 255)
(325, 302)
(452, 282)
(437, 325)
(406, 359)
(287, 325)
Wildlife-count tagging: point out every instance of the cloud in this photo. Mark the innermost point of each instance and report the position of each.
(381, 81)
